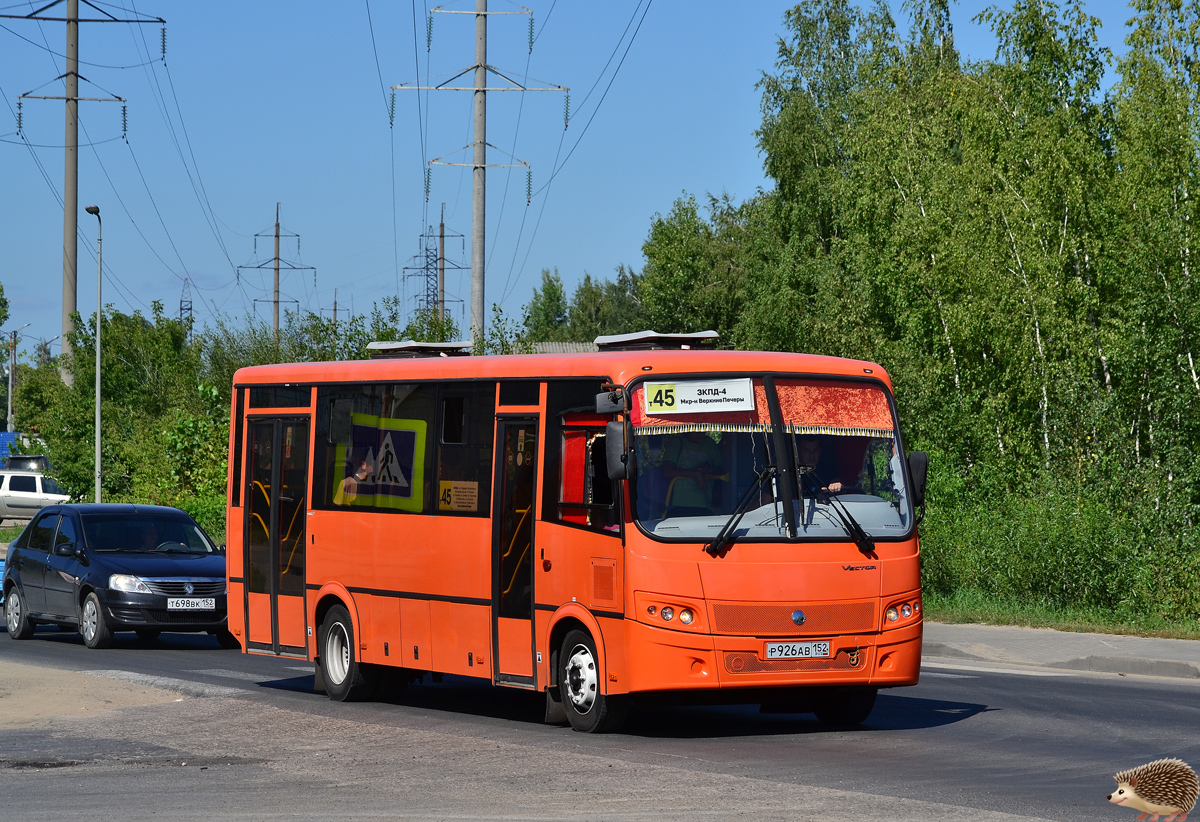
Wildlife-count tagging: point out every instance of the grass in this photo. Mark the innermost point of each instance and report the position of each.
(973, 606)
(9, 534)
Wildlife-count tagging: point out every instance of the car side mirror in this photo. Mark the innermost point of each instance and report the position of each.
(918, 471)
(64, 549)
(81, 554)
(221, 549)
(620, 460)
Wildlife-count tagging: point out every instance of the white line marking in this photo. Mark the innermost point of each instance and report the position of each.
(308, 669)
(945, 676)
(182, 686)
(988, 670)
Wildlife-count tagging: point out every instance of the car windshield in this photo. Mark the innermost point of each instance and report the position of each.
(145, 533)
(693, 465)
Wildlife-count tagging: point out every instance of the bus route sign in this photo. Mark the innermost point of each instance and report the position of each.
(698, 396)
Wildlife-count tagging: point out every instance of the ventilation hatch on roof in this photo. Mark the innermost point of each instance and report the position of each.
(653, 341)
(413, 349)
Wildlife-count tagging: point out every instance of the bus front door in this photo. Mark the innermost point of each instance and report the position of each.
(276, 494)
(512, 551)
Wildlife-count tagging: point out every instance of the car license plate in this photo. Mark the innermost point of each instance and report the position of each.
(797, 650)
(199, 604)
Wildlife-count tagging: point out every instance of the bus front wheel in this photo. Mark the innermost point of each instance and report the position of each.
(346, 679)
(845, 706)
(579, 682)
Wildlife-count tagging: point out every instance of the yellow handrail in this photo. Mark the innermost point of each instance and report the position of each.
(524, 512)
(516, 570)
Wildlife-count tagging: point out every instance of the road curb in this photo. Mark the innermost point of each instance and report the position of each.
(1129, 665)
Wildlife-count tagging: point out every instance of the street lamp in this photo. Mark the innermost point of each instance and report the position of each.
(43, 348)
(12, 362)
(99, 315)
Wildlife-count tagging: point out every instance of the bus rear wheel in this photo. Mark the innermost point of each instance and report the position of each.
(845, 706)
(588, 709)
(346, 679)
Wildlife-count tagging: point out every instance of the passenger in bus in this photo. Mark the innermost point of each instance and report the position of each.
(691, 461)
(820, 475)
(347, 492)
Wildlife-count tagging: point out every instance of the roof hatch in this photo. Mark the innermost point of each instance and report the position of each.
(410, 349)
(653, 341)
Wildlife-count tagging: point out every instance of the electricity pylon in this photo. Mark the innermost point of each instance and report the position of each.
(71, 147)
(479, 163)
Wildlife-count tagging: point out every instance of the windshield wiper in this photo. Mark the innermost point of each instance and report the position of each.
(856, 532)
(718, 546)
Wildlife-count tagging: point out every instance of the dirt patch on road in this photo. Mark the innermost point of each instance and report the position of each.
(32, 696)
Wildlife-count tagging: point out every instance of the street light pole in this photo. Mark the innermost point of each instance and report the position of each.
(12, 364)
(99, 315)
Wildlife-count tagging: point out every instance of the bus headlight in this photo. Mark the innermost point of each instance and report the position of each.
(892, 614)
(685, 616)
(668, 613)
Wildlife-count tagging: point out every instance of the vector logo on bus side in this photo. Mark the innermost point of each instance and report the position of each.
(858, 567)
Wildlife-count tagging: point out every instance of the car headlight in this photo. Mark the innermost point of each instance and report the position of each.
(130, 584)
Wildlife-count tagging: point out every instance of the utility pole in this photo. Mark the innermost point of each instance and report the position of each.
(479, 174)
(276, 263)
(275, 313)
(71, 141)
(441, 303)
(12, 366)
(71, 185)
(479, 145)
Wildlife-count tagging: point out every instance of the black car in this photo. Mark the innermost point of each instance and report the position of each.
(106, 568)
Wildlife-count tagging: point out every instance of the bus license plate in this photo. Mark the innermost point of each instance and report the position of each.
(797, 650)
(200, 604)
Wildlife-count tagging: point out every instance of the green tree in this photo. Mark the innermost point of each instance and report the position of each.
(546, 314)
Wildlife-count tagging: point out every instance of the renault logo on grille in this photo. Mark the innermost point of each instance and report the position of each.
(189, 588)
(798, 617)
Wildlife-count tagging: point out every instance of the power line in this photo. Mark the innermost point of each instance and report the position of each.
(558, 167)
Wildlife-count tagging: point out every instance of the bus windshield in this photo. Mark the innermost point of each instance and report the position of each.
(836, 441)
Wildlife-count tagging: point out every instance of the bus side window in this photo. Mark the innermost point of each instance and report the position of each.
(466, 416)
(585, 491)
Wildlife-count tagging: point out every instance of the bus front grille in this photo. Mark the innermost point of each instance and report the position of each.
(820, 619)
(743, 662)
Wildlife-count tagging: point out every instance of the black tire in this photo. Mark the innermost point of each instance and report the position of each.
(346, 679)
(226, 639)
(147, 634)
(845, 706)
(580, 683)
(97, 633)
(16, 618)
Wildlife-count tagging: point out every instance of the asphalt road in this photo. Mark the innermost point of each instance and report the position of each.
(258, 744)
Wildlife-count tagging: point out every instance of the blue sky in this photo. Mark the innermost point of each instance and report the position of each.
(271, 102)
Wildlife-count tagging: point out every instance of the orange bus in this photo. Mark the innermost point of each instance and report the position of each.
(655, 521)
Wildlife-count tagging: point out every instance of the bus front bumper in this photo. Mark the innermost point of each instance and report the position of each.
(664, 660)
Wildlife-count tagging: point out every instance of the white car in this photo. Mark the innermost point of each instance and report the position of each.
(24, 493)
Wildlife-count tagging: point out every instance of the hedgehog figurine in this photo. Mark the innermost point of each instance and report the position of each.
(1167, 786)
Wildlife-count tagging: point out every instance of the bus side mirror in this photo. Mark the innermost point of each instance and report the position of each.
(610, 402)
(619, 459)
(918, 469)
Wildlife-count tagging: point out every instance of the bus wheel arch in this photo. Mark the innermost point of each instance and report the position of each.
(579, 670)
(345, 678)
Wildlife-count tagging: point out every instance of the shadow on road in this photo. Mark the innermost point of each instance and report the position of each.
(127, 640)
(462, 695)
